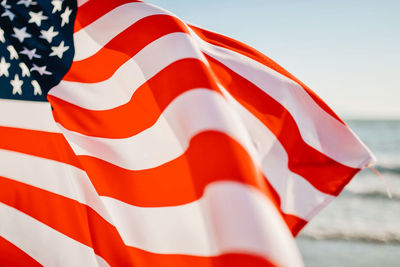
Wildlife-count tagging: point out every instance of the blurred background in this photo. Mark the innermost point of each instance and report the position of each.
(348, 52)
(362, 226)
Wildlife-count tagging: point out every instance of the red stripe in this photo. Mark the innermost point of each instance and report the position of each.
(92, 230)
(211, 157)
(322, 172)
(38, 143)
(11, 255)
(145, 106)
(94, 9)
(107, 60)
(241, 48)
(86, 227)
(294, 223)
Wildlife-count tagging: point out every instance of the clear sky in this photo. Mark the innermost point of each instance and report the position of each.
(347, 51)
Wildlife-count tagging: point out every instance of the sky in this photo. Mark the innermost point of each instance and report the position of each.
(348, 52)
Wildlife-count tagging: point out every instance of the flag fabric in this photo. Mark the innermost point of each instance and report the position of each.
(130, 138)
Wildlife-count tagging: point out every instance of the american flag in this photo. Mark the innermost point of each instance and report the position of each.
(130, 138)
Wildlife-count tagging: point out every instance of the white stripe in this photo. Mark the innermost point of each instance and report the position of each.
(52, 176)
(318, 129)
(93, 37)
(130, 76)
(229, 217)
(190, 113)
(28, 115)
(298, 197)
(81, 2)
(43, 243)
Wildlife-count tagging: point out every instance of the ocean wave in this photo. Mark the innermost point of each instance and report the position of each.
(387, 238)
(388, 169)
(377, 194)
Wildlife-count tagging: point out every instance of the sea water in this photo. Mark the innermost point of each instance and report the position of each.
(362, 226)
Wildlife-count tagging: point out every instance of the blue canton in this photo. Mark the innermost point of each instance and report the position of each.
(36, 46)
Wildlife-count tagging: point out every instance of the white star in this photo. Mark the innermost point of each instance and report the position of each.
(4, 4)
(13, 52)
(4, 65)
(9, 14)
(41, 70)
(20, 34)
(65, 16)
(57, 4)
(16, 84)
(2, 39)
(36, 17)
(27, 3)
(59, 50)
(36, 88)
(49, 34)
(30, 53)
(24, 69)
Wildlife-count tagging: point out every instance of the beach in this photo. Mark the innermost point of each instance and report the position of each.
(362, 226)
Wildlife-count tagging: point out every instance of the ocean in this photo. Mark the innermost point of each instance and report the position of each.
(362, 226)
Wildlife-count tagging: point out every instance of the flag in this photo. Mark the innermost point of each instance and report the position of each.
(131, 138)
